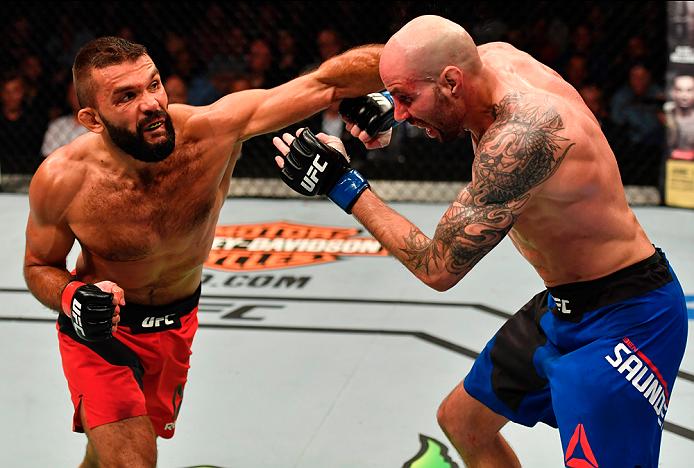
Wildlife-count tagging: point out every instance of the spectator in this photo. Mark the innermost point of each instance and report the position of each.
(201, 91)
(31, 70)
(240, 83)
(576, 70)
(176, 90)
(329, 43)
(636, 106)
(635, 53)
(288, 66)
(582, 43)
(593, 97)
(21, 130)
(259, 62)
(679, 118)
(63, 130)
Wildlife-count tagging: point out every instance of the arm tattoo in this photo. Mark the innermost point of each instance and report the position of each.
(518, 152)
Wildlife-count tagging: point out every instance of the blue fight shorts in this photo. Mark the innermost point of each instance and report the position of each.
(597, 359)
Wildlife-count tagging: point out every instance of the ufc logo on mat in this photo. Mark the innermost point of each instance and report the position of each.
(311, 177)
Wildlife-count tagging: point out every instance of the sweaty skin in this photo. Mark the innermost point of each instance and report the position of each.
(543, 171)
(148, 227)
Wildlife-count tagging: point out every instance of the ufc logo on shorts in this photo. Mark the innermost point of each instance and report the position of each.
(562, 305)
(311, 177)
(76, 315)
(154, 322)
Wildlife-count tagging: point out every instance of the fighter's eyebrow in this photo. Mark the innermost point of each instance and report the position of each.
(128, 87)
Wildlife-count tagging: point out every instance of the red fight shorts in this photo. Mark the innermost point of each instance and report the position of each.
(141, 371)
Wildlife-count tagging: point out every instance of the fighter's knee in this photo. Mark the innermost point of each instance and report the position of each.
(443, 414)
(466, 422)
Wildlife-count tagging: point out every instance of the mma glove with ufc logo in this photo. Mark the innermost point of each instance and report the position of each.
(90, 309)
(313, 168)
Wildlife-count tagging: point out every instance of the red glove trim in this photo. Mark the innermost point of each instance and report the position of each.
(68, 293)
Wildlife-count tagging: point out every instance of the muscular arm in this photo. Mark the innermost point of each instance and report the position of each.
(519, 152)
(249, 113)
(48, 238)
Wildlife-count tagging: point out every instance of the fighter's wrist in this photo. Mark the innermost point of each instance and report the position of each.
(67, 295)
(347, 190)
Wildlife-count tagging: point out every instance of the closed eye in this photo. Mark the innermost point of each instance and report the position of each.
(406, 100)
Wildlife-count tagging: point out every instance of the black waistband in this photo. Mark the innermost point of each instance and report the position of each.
(634, 280)
(142, 318)
(133, 314)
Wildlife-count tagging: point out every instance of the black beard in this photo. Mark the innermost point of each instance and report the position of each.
(135, 145)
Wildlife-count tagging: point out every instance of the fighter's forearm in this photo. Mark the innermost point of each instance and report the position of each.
(423, 256)
(353, 73)
(46, 283)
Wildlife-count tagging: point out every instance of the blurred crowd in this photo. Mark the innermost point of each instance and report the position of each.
(207, 49)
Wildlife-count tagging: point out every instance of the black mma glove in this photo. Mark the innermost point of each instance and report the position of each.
(372, 113)
(313, 168)
(90, 309)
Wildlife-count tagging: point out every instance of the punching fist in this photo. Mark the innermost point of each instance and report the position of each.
(369, 118)
(311, 167)
(93, 308)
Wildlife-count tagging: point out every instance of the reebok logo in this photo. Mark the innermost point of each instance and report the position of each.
(580, 439)
(643, 375)
(311, 178)
(156, 322)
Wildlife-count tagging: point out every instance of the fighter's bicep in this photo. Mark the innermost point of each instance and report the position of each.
(231, 114)
(47, 243)
(286, 104)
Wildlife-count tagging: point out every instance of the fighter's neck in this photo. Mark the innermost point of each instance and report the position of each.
(481, 92)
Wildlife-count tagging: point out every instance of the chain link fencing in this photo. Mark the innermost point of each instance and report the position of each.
(614, 53)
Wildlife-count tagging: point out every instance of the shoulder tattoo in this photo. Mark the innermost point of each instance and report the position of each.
(520, 150)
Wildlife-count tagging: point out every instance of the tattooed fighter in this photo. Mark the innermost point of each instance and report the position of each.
(594, 354)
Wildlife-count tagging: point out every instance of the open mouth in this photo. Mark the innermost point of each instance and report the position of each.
(154, 125)
(431, 133)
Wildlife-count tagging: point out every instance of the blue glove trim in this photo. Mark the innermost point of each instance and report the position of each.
(390, 98)
(347, 190)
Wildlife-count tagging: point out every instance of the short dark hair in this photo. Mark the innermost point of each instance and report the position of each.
(100, 53)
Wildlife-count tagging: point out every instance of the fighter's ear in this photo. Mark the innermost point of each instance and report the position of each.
(453, 79)
(89, 118)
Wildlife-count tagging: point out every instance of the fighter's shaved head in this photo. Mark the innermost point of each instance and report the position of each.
(425, 46)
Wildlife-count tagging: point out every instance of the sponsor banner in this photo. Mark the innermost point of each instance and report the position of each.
(679, 106)
(679, 183)
(282, 244)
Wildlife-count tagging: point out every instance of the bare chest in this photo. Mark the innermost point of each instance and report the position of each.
(159, 213)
